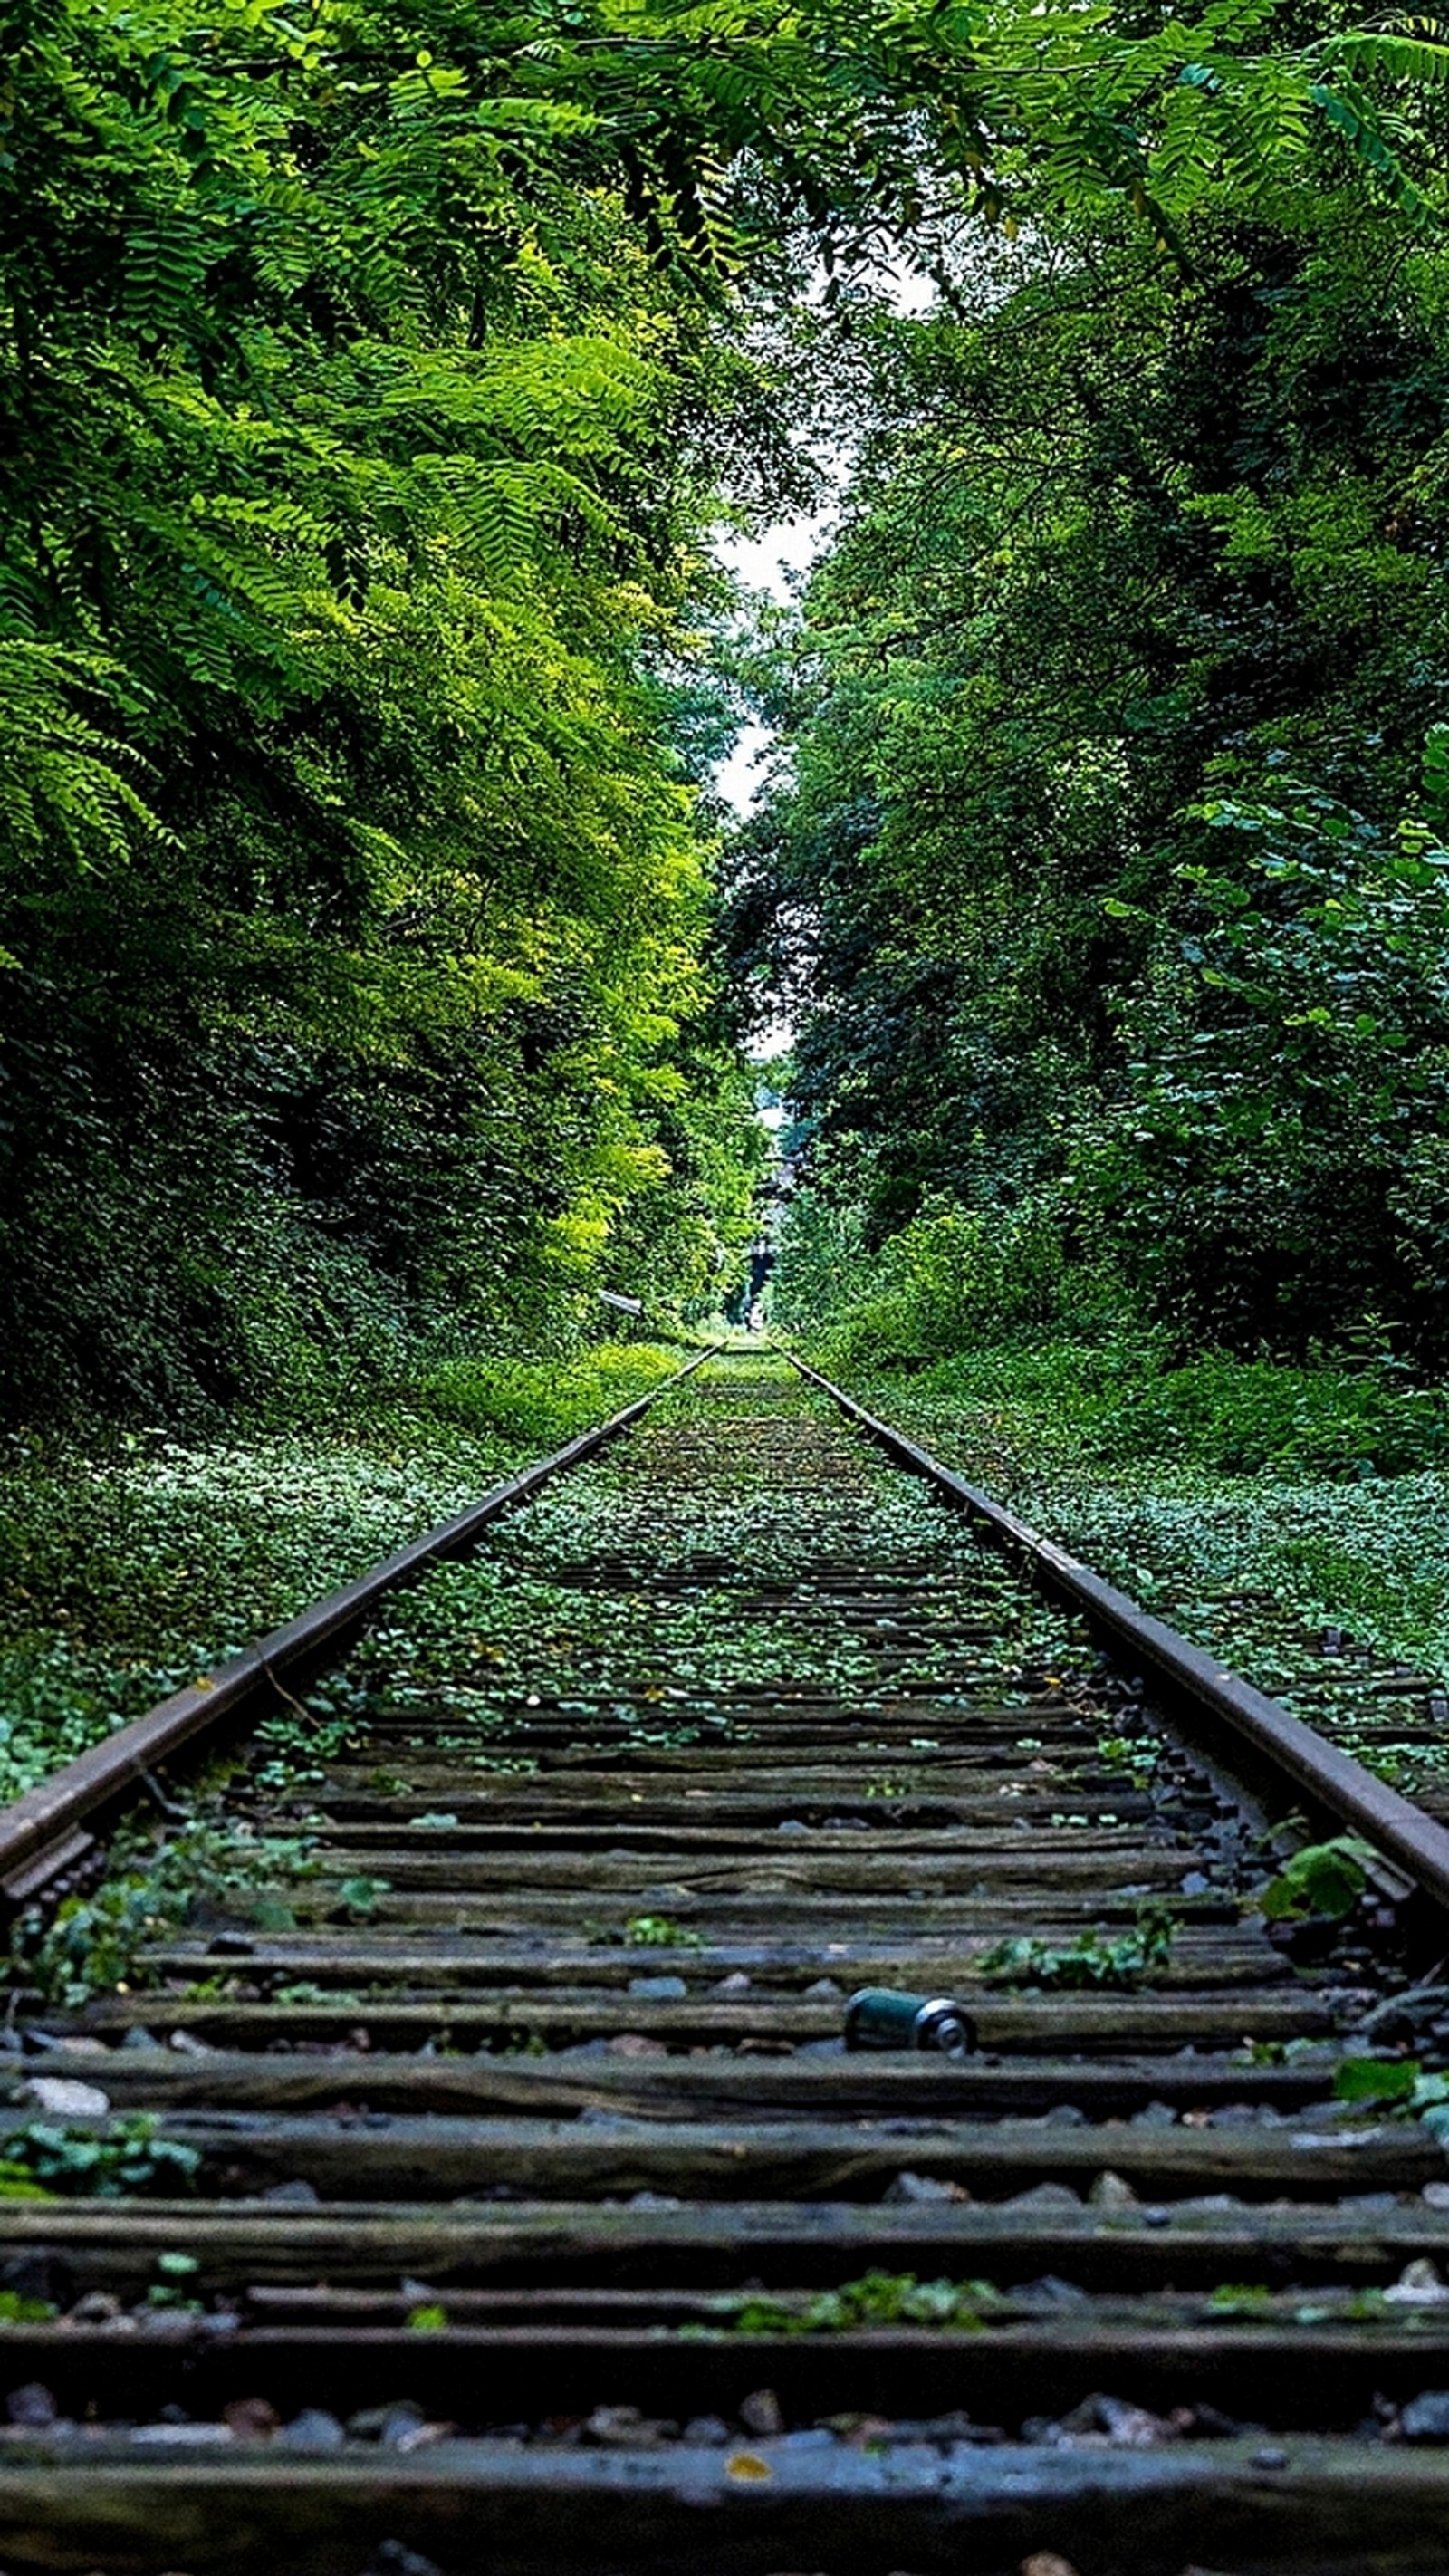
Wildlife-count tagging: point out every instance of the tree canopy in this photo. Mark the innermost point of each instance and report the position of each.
(1106, 872)
(372, 378)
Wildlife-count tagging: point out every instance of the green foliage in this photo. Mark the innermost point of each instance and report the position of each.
(1376, 2079)
(1281, 1170)
(949, 1277)
(92, 1943)
(1103, 1021)
(660, 1932)
(128, 2158)
(16, 2310)
(1136, 1755)
(876, 2299)
(1124, 1959)
(130, 1565)
(536, 1406)
(358, 1897)
(367, 386)
(1251, 2299)
(1323, 1878)
(350, 888)
(1430, 2102)
(1252, 1504)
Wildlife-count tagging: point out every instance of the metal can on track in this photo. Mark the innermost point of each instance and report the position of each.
(882, 2017)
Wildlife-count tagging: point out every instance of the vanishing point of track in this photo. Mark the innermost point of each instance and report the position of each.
(544, 2224)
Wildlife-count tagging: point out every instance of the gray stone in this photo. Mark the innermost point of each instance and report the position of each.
(660, 1990)
(912, 2187)
(1051, 2294)
(31, 2405)
(1426, 2417)
(761, 2413)
(368, 2424)
(95, 2308)
(312, 2430)
(38, 2272)
(1130, 2427)
(176, 2437)
(625, 2428)
(400, 2422)
(64, 2098)
(711, 2432)
(394, 2558)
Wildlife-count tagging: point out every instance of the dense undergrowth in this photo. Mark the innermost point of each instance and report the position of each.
(128, 1568)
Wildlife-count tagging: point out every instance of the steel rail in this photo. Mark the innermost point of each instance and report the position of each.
(665, 2149)
(40, 1831)
(1332, 1778)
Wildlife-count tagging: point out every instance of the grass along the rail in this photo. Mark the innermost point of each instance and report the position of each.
(464, 1655)
(1253, 1505)
(124, 1574)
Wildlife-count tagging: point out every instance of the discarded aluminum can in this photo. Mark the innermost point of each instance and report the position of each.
(880, 2017)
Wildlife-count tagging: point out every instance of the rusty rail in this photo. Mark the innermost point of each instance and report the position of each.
(1334, 1781)
(41, 1832)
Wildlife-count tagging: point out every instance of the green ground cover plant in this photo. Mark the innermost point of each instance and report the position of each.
(126, 2159)
(157, 1873)
(877, 2299)
(134, 1561)
(1122, 1960)
(1258, 1505)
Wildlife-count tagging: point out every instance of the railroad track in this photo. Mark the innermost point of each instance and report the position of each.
(506, 2197)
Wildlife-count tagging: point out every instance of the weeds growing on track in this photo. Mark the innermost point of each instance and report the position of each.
(123, 1575)
(1253, 1505)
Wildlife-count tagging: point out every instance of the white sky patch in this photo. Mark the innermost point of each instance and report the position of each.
(737, 778)
(765, 563)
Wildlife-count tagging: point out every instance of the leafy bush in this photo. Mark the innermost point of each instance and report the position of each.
(1122, 1400)
(1254, 1505)
(1271, 1168)
(534, 1404)
(951, 1277)
(92, 1942)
